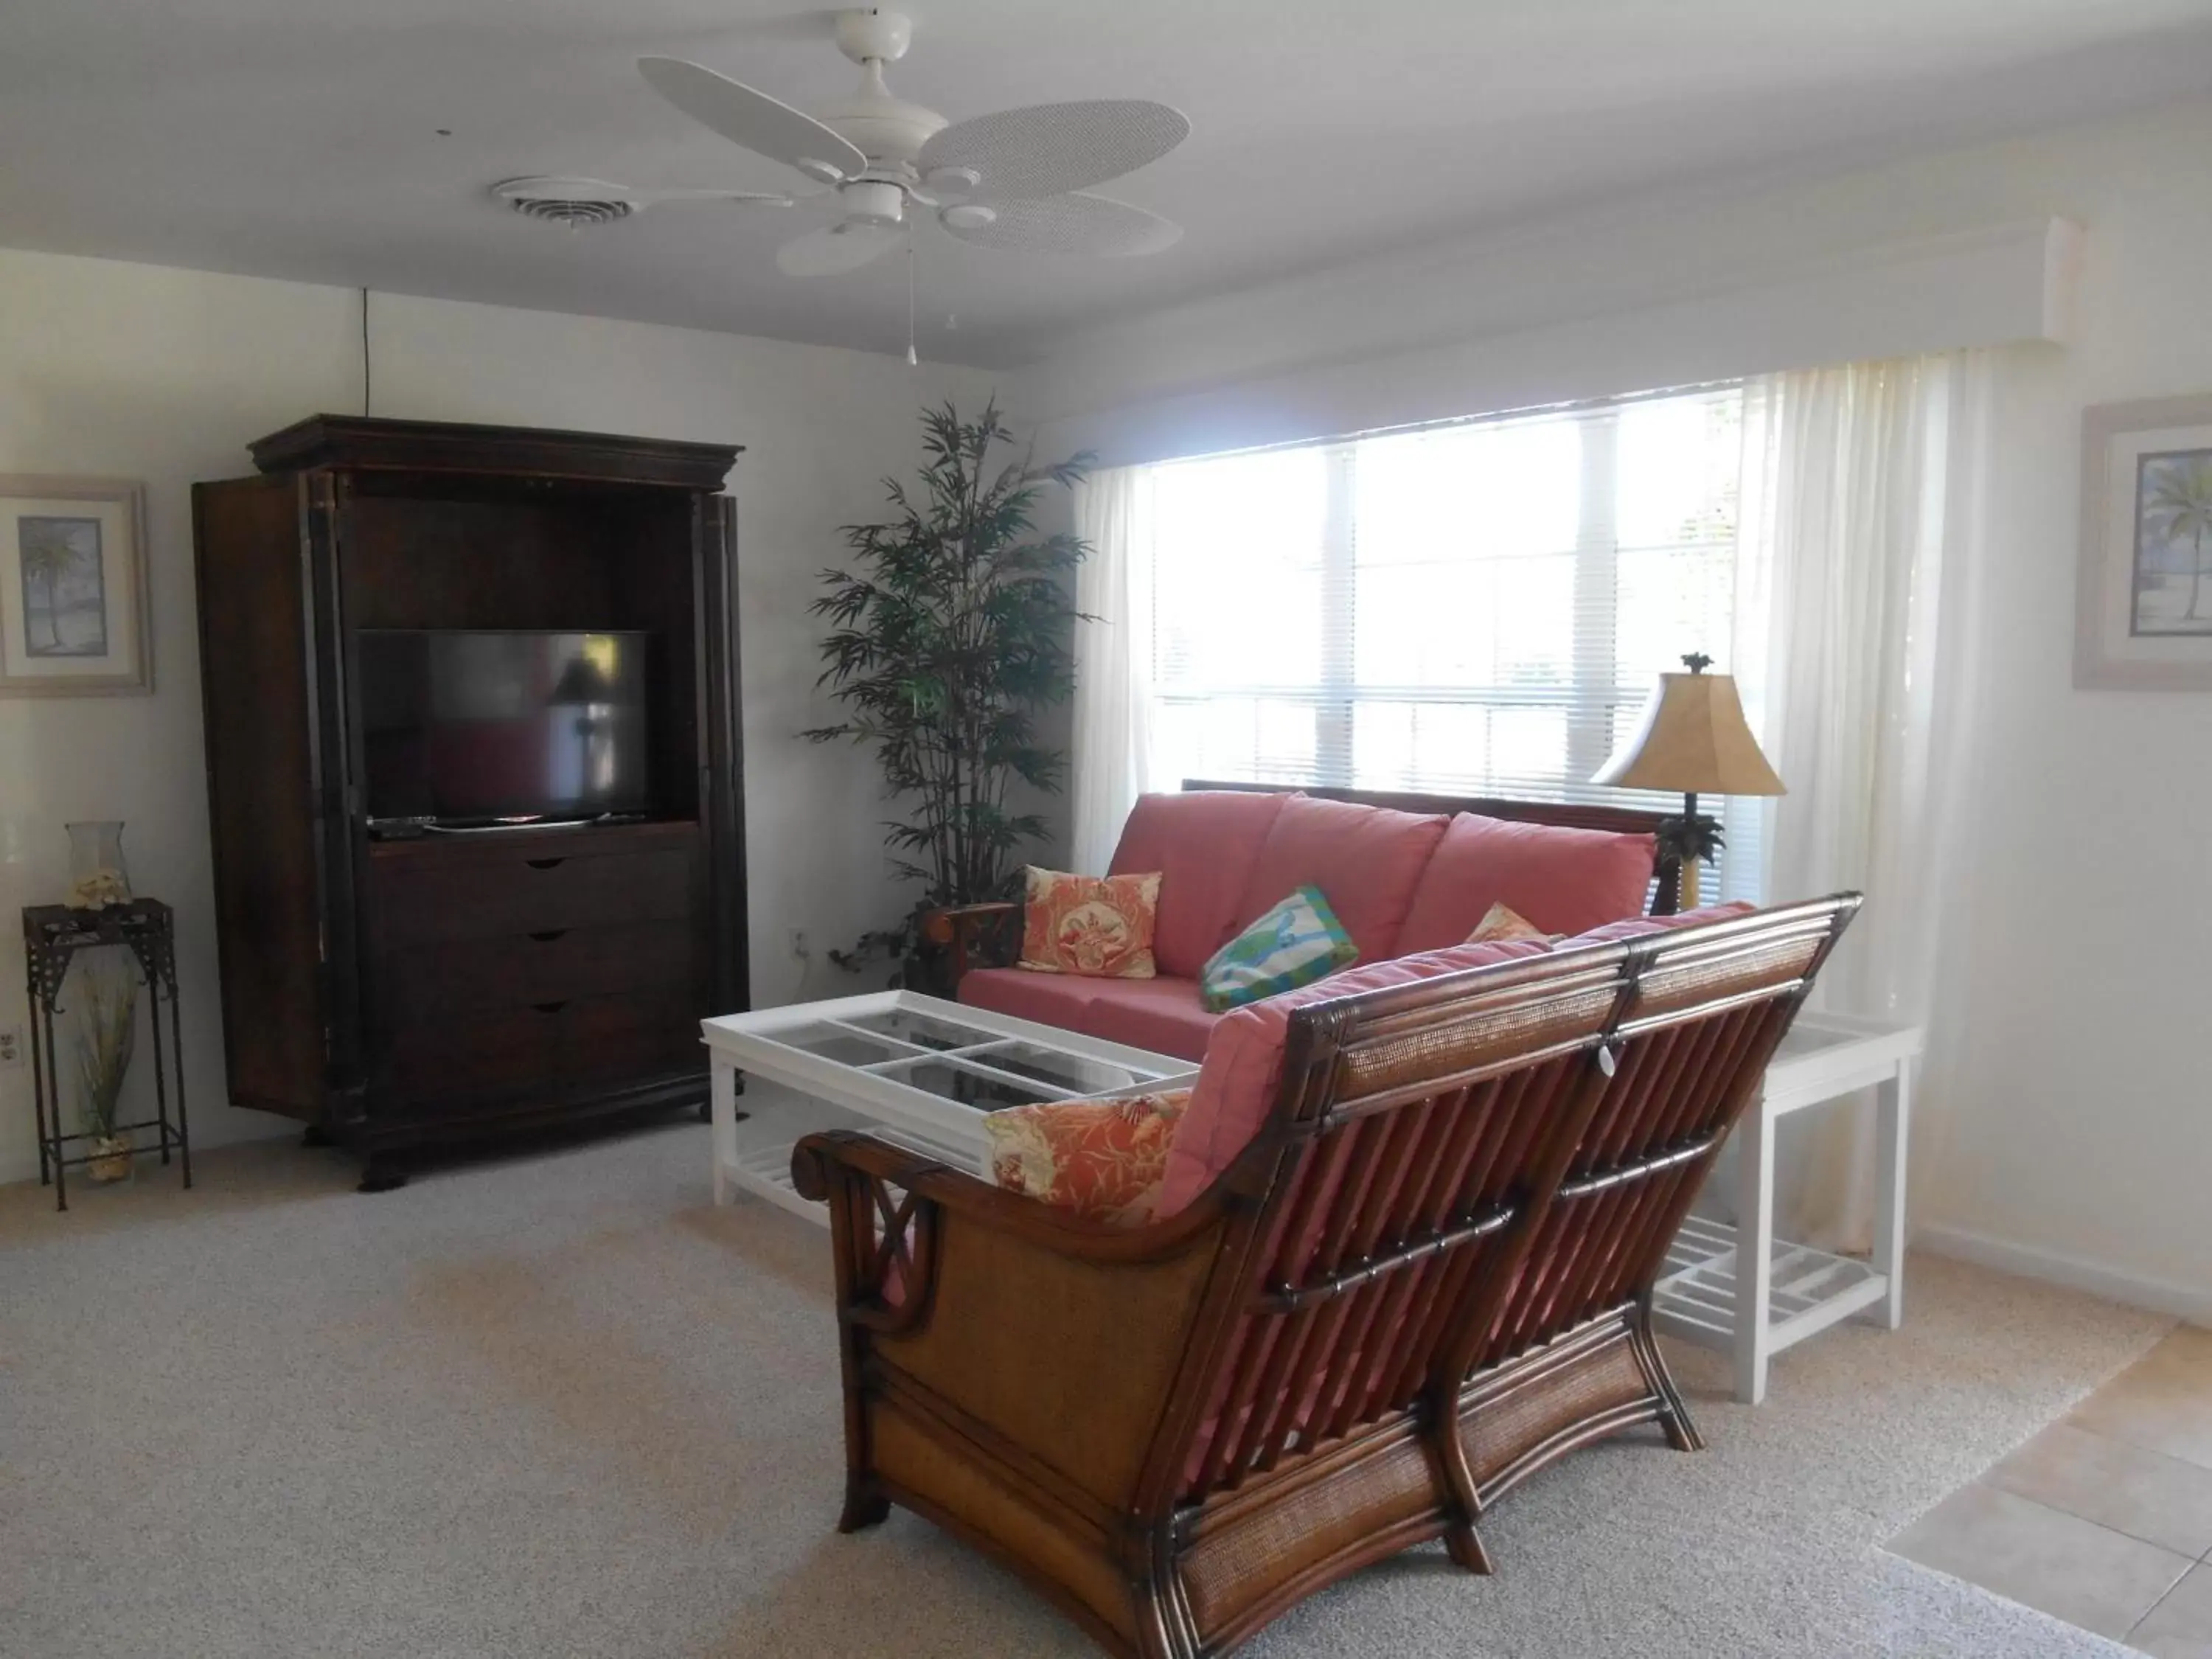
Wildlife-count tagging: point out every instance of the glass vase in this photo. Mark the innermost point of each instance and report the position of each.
(101, 995)
(98, 875)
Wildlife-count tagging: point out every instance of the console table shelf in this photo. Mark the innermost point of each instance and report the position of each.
(53, 934)
(1750, 1294)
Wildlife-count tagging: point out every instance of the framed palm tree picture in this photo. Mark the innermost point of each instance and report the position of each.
(73, 587)
(2144, 612)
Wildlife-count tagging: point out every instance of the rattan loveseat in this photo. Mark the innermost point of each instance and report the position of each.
(1428, 1277)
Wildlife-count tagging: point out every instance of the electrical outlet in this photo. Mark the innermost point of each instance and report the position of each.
(794, 940)
(11, 1047)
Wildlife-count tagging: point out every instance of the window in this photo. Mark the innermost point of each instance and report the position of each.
(1478, 609)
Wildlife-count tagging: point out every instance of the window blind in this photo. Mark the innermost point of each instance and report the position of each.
(1478, 608)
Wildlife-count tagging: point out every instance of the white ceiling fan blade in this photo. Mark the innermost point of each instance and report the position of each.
(835, 249)
(735, 198)
(548, 191)
(754, 119)
(1046, 148)
(1072, 223)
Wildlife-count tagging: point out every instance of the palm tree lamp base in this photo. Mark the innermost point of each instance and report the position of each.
(1692, 839)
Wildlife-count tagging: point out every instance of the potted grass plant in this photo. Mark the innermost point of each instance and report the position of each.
(107, 1028)
(949, 633)
(105, 997)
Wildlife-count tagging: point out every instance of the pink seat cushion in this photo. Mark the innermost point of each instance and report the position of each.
(1202, 843)
(1367, 861)
(1061, 999)
(1563, 880)
(1237, 1086)
(1163, 1015)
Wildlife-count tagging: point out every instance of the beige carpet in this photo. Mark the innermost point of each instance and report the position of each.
(560, 1406)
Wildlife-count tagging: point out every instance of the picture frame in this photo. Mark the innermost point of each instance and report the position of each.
(2142, 618)
(75, 612)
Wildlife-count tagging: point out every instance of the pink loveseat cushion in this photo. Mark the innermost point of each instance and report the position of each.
(1237, 1086)
(1367, 861)
(1564, 881)
(1202, 842)
(1163, 1015)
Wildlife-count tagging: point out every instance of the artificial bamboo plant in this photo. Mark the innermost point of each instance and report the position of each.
(950, 633)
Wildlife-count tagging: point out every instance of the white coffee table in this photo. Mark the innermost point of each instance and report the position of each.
(1741, 1289)
(914, 1070)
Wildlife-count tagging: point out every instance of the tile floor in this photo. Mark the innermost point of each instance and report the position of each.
(2103, 1519)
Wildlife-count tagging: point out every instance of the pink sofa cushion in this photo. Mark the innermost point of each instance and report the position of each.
(1061, 999)
(1237, 1086)
(1564, 881)
(1163, 1015)
(1367, 861)
(1201, 842)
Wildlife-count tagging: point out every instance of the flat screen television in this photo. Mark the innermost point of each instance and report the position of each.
(467, 728)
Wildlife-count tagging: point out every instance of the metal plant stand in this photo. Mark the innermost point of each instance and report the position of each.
(52, 935)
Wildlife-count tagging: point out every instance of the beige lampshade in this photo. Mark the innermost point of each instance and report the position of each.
(1693, 740)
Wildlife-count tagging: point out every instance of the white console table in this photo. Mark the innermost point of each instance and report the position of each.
(1741, 1289)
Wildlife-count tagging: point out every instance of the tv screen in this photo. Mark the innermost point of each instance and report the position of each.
(467, 727)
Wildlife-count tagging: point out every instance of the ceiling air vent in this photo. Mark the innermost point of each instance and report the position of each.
(571, 201)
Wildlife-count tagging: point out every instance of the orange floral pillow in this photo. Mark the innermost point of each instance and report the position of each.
(1501, 922)
(1099, 926)
(1103, 1159)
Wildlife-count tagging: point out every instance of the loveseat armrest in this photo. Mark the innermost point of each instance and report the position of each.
(974, 935)
(954, 1294)
(821, 1163)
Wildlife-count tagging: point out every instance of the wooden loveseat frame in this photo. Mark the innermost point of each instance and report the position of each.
(1428, 1277)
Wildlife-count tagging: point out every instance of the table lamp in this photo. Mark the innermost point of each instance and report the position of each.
(1692, 738)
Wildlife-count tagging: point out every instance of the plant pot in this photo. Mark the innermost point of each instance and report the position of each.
(113, 1158)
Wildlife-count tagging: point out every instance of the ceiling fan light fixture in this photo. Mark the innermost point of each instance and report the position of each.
(968, 215)
(870, 199)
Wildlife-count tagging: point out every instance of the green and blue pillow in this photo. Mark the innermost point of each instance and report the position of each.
(1294, 943)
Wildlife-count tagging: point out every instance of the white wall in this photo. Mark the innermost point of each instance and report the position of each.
(2071, 1094)
(165, 375)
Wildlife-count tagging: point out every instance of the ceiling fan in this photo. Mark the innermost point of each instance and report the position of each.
(1015, 179)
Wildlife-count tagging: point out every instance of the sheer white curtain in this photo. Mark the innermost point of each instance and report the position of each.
(1862, 491)
(1113, 660)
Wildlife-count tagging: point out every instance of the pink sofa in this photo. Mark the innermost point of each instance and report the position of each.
(1401, 882)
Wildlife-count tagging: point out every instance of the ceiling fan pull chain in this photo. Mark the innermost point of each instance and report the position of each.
(913, 359)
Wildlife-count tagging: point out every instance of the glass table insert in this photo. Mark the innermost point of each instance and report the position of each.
(911, 1069)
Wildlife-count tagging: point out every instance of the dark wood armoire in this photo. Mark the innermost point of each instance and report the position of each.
(398, 989)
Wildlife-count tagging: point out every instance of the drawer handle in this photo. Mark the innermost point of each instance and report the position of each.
(544, 864)
(549, 935)
(550, 1008)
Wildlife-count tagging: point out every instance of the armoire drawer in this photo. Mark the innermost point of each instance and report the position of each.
(493, 898)
(432, 983)
(602, 1036)
(485, 1054)
(496, 1053)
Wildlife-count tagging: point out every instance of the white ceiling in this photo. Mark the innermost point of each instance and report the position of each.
(298, 139)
